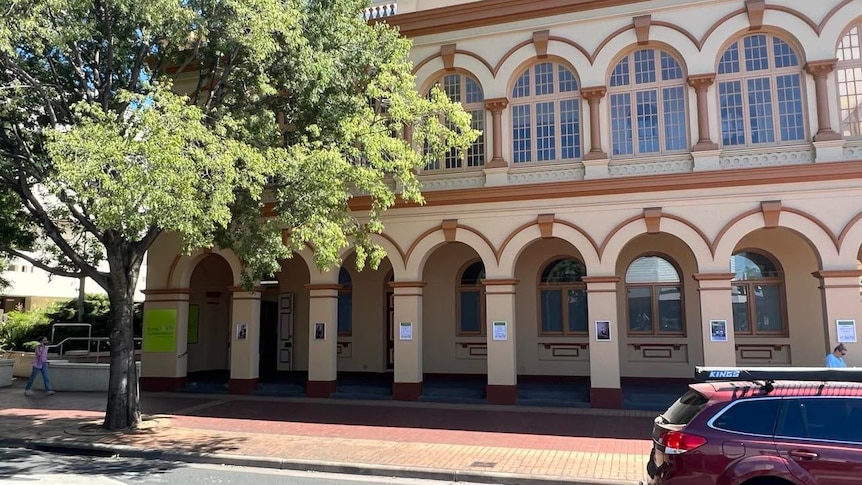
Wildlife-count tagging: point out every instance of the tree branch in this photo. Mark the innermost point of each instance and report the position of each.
(40, 264)
(33, 82)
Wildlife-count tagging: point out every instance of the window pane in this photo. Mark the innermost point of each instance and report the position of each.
(564, 271)
(760, 110)
(756, 53)
(784, 55)
(849, 48)
(476, 152)
(670, 309)
(544, 78)
(345, 312)
(567, 80)
(850, 97)
(640, 309)
(474, 274)
(452, 87)
(651, 269)
(729, 62)
(790, 107)
(752, 266)
(767, 301)
(521, 136)
(756, 416)
(732, 120)
(522, 86)
(644, 61)
(545, 131)
(470, 315)
(647, 121)
(578, 311)
(552, 310)
(570, 128)
(674, 118)
(474, 92)
(621, 124)
(835, 419)
(739, 298)
(669, 67)
(620, 76)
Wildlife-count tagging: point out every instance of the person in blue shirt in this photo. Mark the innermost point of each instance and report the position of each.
(836, 358)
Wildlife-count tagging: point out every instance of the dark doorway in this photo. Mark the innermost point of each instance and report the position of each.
(390, 331)
(268, 339)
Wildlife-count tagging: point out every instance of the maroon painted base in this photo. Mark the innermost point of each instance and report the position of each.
(406, 391)
(162, 384)
(497, 394)
(606, 398)
(242, 386)
(320, 388)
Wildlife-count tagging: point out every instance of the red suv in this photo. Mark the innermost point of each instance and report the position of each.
(762, 431)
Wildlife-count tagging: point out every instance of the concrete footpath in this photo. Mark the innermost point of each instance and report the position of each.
(471, 443)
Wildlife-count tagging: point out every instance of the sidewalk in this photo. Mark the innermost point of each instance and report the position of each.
(478, 443)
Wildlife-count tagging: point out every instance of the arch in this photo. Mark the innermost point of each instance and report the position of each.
(181, 273)
(834, 24)
(426, 243)
(394, 253)
(652, 44)
(850, 240)
(661, 39)
(846, 77)
(569, 53)
(463, 58)
(530, 62)
(823, 243)
(522, 237)
(682, 229)
(737, 27)
(433, 75)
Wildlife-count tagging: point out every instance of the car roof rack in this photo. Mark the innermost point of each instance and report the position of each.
(815, 374)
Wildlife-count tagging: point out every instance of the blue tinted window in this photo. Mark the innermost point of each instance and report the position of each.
(470, 312)
(729, 62)
(552, 310)
(345, 312)
(620, 76)
(732, 121)
(621, 124)
(647, 121)
(644, 61)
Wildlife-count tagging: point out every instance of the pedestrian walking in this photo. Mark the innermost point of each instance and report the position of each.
(40, 366)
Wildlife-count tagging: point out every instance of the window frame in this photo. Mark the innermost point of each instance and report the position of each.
(751, 303)
(654, 306)
(533, 100)
(772, 73)
(344, 290)
(564, 288)
(478, 107)
(851, 130)
(461, 288)
(659, 85)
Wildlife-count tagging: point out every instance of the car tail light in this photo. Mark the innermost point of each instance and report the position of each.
(676, 442)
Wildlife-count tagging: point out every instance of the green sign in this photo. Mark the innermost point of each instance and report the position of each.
(194, 313)
(160, 330)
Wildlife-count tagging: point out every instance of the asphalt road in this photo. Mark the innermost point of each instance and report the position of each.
(27, 467)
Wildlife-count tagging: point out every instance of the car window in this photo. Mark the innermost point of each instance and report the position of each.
(756, 416)
(685, 408)
(832, 419)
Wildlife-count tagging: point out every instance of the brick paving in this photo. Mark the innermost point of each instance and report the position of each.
(558, 445)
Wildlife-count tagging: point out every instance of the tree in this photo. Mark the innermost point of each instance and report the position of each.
(122, 120)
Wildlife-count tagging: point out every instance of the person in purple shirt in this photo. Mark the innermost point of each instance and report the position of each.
(836, 358)
(40, 365)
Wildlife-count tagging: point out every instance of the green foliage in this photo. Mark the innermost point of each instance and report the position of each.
(17, 328)
(97, 312)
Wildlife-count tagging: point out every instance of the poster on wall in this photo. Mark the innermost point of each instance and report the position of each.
(846, 330)
(160, 330)
(500, 330)
(241, 331)
(603, 330)
(718, 330)
(405, 331)
(194, 316)
(319, 331)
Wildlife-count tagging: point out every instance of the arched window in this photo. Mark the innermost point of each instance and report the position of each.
(760, 92)
(849, 69)
(471, 300)
(461, 88)
(654, 296)
(345, 303)
(546, 114)
(563, 298)
(647, 100)
(757, 295)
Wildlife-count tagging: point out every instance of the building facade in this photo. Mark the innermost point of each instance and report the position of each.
(659, 184)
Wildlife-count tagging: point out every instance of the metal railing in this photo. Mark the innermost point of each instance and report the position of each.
(95, 346)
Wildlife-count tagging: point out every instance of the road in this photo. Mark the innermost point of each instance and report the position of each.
(26, 467)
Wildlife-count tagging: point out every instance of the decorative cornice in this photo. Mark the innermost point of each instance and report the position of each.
(407, 284)
(701, 81)
(496, 104)
(500, 282)
(600, 279)
(594, 93)
(771, 213)
(642, 25)
(713, 276)
(839, 273)
(540, 42)
(447, 52)
(821, 68)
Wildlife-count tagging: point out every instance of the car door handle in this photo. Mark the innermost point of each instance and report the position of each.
(804, 455)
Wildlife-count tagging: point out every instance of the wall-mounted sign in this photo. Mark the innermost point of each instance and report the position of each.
(846, 330)
(241, 331)
(718, 330)
(160, 330)
(319, 331)
(603, 330)
(405, 331)
(500, 330)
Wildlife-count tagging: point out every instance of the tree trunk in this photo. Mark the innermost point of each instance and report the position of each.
(123, 409)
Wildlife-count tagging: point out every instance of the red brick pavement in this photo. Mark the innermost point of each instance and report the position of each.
(590, 446)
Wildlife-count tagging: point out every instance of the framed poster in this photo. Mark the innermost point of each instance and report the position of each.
(500, 330)
(603, 330)
(194, 316)
(718, 330)
(846, 330)
(319, 331)
(405, 331)
(160, 330)
(241, 331)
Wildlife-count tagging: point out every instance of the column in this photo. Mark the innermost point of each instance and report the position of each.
(162, 368)
(502, 358)
(828, 145)
(322, 339)
(596, 160)
(407, 382)
(716, 304)
(497, 170)
(840, 292)
(605, 390)
(705, 153)
(245, 341)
